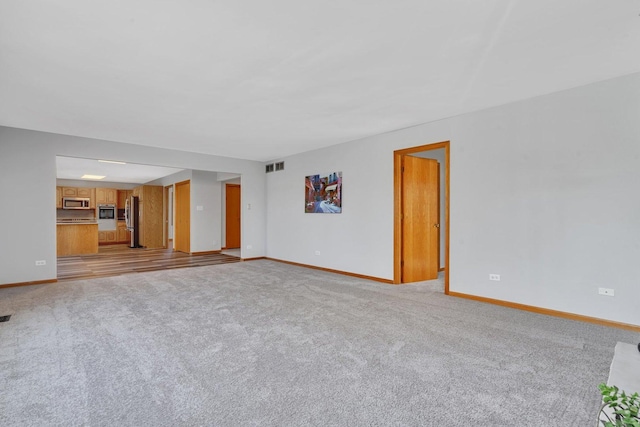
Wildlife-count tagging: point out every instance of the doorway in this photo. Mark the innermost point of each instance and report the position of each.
(232, 219)
(407, 199)
(182, 223)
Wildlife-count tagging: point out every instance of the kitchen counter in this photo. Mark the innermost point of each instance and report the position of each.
(77, 238)
(62, 221)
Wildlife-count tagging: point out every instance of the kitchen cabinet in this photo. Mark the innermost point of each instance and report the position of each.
(106, 196)
(76, 239)
(123, 195)
(108, 236)
(92, 198)
(137, 191)
(58, 197)
(84, 192)
(69, 192)
(124, 236)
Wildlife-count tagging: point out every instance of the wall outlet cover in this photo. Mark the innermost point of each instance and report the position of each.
(606, 291)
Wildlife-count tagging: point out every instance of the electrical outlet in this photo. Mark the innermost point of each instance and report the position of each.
(317, 252)
(41, 262)
(605, 291)
(495, 277)
(249, 246)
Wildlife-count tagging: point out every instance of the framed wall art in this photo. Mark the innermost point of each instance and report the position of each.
(323, 193)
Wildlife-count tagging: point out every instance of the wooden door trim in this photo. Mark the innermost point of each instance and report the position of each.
(165, 216)
(397, 208)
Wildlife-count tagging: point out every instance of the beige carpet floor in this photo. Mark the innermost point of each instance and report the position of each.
(263, 343)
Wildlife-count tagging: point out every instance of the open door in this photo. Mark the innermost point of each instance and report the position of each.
(232, 227)
(420, 219)
(182, 220)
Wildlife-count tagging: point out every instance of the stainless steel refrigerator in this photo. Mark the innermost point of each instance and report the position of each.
(132, 218)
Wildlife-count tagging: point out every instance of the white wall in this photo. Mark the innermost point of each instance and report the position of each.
(544, 192)
(28, 215)
(28, 177)
(206, 224)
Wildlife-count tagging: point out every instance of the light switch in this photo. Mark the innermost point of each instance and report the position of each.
(199, 208)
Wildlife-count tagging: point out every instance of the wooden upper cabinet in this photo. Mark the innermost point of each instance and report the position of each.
(83, 192)
(106, 196)
(137, 192)
(101, 196)
(69, 192)
(123, 195)
(92, 195)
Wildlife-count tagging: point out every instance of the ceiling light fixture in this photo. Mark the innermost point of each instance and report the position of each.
(93, 176)
(112, 161)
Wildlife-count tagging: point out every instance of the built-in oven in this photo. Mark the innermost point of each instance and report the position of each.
(107, 217)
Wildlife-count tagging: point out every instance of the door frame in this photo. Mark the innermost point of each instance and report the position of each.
(397, 208)
(166, 215)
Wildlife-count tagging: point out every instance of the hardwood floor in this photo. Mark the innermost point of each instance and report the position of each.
(114, 260)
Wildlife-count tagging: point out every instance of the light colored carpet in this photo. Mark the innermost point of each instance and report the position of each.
(269, 344)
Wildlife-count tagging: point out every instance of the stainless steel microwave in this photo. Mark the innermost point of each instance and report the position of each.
(75, 203)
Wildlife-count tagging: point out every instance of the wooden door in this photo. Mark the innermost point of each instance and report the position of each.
(420, 219)
(182, 222)
(232, 229)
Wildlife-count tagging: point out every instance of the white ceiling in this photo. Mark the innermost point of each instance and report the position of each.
(75, 168)
(260, 80)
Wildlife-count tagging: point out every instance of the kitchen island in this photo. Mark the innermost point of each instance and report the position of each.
(77, 238)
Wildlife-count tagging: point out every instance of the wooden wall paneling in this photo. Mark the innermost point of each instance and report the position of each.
(152, 217)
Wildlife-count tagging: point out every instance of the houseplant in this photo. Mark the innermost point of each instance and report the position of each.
(618, 408)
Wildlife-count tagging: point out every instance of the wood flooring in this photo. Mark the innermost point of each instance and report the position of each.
(114, 260)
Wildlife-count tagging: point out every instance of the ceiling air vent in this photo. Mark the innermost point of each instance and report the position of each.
(269, 168)
(280, 166)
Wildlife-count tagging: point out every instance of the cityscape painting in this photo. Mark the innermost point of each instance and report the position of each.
(323, 193)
